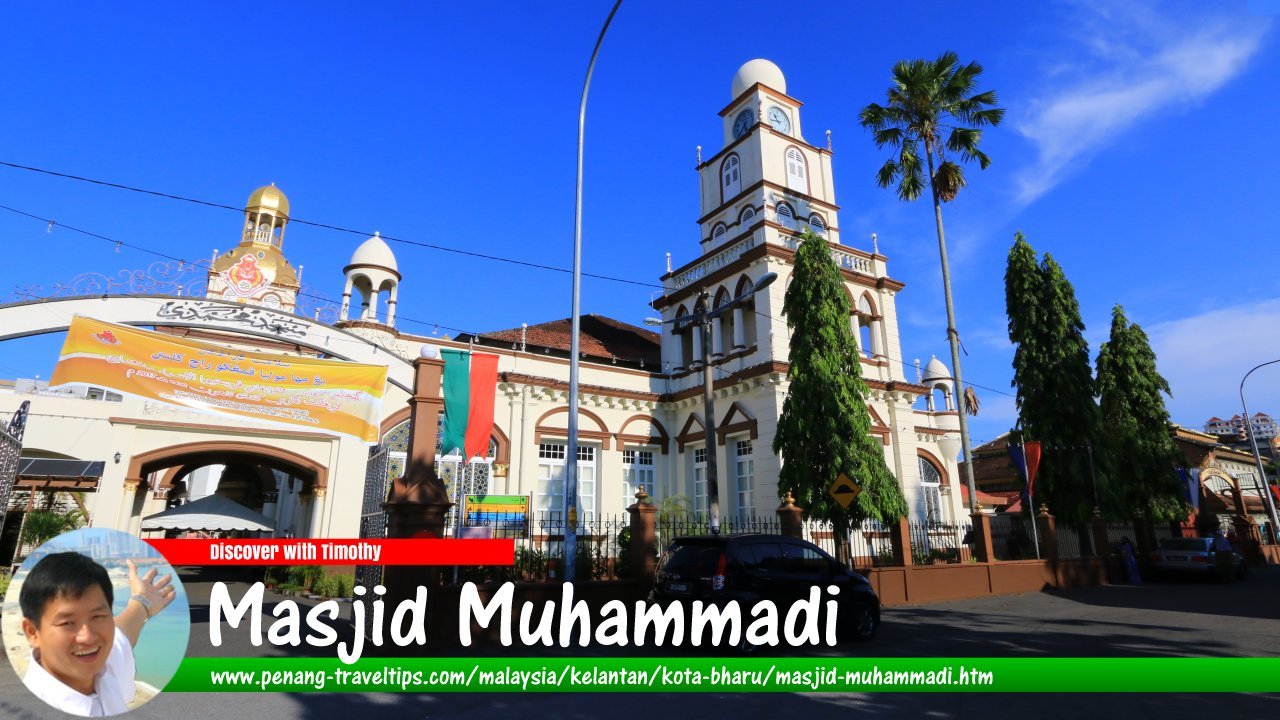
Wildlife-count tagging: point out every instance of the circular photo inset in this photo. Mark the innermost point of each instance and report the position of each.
(95, 622)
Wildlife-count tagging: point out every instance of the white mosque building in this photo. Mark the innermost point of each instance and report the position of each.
(641, 409)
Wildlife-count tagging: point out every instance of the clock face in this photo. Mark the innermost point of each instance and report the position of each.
(743, 123)
(779, 120)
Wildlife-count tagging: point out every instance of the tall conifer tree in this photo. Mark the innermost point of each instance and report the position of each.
(1135, 423)
(1054, 381)
(825, 428)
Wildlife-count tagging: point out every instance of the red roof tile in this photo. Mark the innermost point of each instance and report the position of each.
(598, 336)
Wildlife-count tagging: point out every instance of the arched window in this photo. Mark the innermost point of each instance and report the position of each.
(797, 173)
(684, 331)
(749, 317)
(930, 482)
(730, 177)
(748, 214)
(718, 231)
(819, 226)
(786, 216)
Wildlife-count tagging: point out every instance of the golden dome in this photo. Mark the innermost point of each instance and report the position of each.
(269, 197)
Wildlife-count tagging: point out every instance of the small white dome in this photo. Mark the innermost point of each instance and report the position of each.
(758, 71)
(935, 370)
(375, 251)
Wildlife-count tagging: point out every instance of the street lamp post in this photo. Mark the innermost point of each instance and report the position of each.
(571, 451)
(1257, 457)
(704, 319)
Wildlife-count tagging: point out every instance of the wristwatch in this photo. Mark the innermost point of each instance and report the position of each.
(144, 602)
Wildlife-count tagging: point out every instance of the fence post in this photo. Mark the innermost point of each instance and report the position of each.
(1146, 537)
(900, 538)
(789, 522)
(644, 541)
(983, 548)
(1101, 540)
(1248, 539)
(1048, 534)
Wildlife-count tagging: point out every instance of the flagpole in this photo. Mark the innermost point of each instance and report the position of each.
(1026, 476)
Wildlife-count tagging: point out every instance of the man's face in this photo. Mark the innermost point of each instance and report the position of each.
(74, 638)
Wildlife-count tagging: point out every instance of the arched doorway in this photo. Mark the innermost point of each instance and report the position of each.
(285, 486)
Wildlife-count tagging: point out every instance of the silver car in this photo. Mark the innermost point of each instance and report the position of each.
(1191, 555)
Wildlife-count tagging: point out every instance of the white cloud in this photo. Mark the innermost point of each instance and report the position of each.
(1135, 67)
(1205, 356)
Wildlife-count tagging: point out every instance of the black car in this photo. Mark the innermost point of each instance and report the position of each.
(749, 568)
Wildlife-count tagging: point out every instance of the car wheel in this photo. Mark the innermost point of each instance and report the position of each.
(862, 623)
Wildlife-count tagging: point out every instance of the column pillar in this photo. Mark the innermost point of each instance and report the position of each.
(677, 344)
(346, 300)
(269, 500)
(644, 540)
(391, 305)
(717, 337)
(417, 503)
(125, 515)
(317, 511)
(697, 344)
(739, 338)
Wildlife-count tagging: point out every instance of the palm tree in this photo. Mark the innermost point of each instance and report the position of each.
(926, 99)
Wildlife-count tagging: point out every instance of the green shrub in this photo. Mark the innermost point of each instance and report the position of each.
(343, 585)
(4, 582)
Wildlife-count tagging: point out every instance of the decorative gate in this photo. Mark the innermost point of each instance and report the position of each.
(373, 519)
(10, 451)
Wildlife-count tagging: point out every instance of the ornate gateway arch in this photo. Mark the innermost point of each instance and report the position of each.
(42, 316)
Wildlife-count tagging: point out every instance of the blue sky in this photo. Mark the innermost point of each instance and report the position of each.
(1136, 149)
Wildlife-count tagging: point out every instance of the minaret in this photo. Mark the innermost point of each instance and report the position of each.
(256, 272)
(371, 272)
(767, 172)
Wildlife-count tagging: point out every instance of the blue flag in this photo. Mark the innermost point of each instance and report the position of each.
(1191, 486)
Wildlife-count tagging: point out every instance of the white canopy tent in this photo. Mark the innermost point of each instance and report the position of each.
(213, 512)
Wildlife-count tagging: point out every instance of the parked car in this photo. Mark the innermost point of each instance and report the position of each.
(1191, 555)
(750, 568)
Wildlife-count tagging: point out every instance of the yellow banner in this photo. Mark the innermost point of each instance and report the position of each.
(327, 395)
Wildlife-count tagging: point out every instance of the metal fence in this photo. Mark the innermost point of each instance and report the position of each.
(869, 544)
(934, 543)
(602, 551)
(1011, 538)
(1071, 544)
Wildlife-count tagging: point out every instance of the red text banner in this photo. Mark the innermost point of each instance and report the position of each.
(325, 551)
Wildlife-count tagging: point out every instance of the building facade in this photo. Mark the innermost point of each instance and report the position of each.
(641, 415)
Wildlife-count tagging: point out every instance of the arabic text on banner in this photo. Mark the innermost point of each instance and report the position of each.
(325, 395)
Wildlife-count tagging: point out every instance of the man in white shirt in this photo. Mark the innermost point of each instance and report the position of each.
(82, 657)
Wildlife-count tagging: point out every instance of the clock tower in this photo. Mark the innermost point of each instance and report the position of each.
(767, 169)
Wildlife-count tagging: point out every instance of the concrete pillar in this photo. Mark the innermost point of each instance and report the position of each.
(983, 549)
(717, 337)
(789, 517)
(1101, 541)
(1146, 537)
(1048, 529)
(900, 538)
(644, 539)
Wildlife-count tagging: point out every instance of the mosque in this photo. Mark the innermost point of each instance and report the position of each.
(640, 404)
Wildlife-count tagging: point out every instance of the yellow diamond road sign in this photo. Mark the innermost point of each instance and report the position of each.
(844, 490)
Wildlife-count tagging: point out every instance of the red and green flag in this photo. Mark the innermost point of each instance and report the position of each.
(470, 383)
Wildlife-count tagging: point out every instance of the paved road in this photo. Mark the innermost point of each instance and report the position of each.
(1158, 619)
